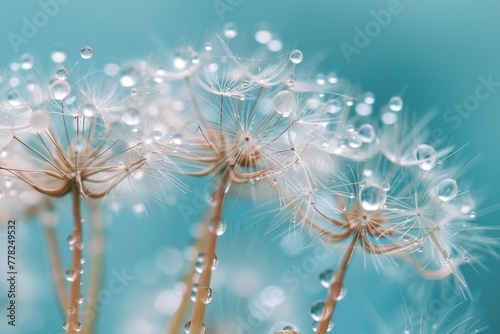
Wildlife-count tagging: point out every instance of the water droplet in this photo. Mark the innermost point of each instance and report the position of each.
(177, 139)
(447, 189)
(372, 197)
(82, 261)
(131, 116)
(396, 103)
(208, 46)
(328, 329)
(88, 110)
(320, 79)
(354, 139)
(426, 156)
(70, 310)
(187, 327)
(284, 103)
(386, 186)
(60, 90)
(367, 133)
(86, 52)
(39, 120)
(65, 325)
(342, 293)
(61, 73)
(70, 275)
(221, 228)
(13, 97)
(296, 56)
(326, 277)
(350, 128)
(230, 30)
(420, 249)
(58, 55)
(406, 331)
(129, 77)
(207, 295)
(27, 61)
(288, 328)
(448, 257)
(201, 259)
(317, 310)
(362, 184)
(332, 78)
(77, 326)
(472, 214)
(263, 36)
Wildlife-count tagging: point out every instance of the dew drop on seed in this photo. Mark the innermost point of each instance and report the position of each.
(386, 186)
(65, 325)
(447, 189)
(27, 61)
(296, 56)
(207, 295)
(317, 310)
(332, 77)
(230, 30)
(157, 135)
(350, 128)
(395, 103)
(61, 73)
(326, 277)
(70, 275)
(88, 110)
(284, 103)
(362, 184)
(426, 156)
(208, 46)
(39, 120)
(177, 139)
(472, 214)
(131, 116)
(221, 228)
(86, 52)
(13, 97)
(354, 139)
(70, 310)
(60, 90)
(420, 249)
(70, 239)
(372, 197)
(367, 133)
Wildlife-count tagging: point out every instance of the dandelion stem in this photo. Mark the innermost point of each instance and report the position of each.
(57, 269)
(74, 298)
(211, 239)
(177, 320)
(96, 261)
(335, 289)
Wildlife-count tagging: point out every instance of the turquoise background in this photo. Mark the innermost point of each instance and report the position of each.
(436, 49)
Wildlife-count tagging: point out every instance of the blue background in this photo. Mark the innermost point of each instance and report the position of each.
(437, 49)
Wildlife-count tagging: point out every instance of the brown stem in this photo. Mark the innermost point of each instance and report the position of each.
(74, 298)
(335, 289)
(206, 274)
(57, 268)
(177, 320)
(96, 262)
